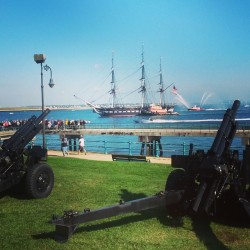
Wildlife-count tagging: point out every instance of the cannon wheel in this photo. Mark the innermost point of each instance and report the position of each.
(176, 180)
(39, 180)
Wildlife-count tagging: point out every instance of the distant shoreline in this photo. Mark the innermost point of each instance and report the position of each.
(13, 109)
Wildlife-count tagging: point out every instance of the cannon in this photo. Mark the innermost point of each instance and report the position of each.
(199, 183)
(213, 181)
(26, 166)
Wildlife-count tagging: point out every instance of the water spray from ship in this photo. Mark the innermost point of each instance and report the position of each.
(180, 98)
(204, 99)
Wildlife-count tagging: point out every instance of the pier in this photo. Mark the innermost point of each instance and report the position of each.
(243, 131)
(149, 132)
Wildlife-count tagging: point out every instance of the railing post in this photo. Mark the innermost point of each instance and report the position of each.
(129, 148)
(157, 153)
(70, 145)
(74, 144)
(184, 148)
(105, 147)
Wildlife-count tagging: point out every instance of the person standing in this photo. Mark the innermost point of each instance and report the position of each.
(81, 145)
(64, 145)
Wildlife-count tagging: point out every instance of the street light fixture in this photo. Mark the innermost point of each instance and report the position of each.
(40, 59)
(51, 83)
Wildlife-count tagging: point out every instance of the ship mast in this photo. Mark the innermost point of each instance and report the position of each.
(113, 85)
(161, 88)
(143, 84)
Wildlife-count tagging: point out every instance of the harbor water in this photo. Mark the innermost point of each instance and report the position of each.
(128, 144)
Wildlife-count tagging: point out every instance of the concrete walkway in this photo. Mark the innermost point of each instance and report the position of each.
(104, 157)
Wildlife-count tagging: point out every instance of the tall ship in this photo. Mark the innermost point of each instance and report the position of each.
(115, 109)
(146, 108)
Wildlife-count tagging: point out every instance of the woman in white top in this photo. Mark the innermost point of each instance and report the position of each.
(81, 145)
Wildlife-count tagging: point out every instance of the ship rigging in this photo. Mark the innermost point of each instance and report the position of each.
(145, 108)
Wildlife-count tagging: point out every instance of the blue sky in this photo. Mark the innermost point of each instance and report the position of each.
(204, 46)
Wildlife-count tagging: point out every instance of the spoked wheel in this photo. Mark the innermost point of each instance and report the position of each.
(39, 181)
(177, 180)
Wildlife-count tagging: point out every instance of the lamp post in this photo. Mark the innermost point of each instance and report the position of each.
(40, 59)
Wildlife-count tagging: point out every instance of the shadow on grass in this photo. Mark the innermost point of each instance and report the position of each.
(204, 232)
(15, 192)
(201, 226)
(44, 236)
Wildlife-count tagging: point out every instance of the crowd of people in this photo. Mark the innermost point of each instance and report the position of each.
(49, 124)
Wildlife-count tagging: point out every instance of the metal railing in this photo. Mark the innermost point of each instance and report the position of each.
(130, 146)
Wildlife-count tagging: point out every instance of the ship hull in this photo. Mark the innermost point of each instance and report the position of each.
(118, 112)
(135, 111)
(195, 108)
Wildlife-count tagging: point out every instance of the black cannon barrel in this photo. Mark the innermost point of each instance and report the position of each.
(7, 143)
(25, 134)
(225, 135)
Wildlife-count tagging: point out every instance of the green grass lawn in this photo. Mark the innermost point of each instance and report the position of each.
(83, 184)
